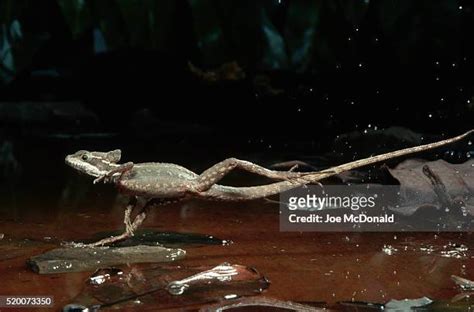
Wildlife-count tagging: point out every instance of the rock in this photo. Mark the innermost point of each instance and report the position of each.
(80, 259)
(407, 304)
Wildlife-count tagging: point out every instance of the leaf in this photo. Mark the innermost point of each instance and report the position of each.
(274, 52)
(303, 18)
(455, 183)
(148, 22)
(77, 15)
(11, 37)
(208, 31)
(109, 24)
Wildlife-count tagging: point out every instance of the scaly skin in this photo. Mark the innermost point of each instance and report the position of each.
(161, 183)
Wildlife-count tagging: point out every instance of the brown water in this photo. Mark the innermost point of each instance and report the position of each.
(302, 267)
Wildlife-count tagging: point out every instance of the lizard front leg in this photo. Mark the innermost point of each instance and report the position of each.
(130, 226)
(215, 173)
(134, 202)
(108, 176)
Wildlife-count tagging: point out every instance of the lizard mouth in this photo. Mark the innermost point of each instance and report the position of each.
(82, 166)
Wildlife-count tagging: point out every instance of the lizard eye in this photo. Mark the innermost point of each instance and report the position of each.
(85, 157)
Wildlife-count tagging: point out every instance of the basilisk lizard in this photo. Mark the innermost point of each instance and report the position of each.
(153, 183)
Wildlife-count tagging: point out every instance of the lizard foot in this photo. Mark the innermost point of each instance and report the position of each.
(128, 222)
(100, 243)
(109, 240)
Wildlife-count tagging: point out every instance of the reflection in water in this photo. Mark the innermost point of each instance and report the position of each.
(102, 275)
(221, 273)
(112, 287)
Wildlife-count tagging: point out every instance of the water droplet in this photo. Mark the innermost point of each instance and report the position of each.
(231, 296)
(226, 242)
(389, 249)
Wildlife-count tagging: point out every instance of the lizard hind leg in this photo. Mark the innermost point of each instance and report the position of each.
(215, 173)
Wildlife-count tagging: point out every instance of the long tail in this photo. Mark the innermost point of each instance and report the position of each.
(229, 193)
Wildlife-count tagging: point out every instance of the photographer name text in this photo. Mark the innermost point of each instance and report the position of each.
(345, 218)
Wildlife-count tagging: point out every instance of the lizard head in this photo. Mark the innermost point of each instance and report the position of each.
(93, 163)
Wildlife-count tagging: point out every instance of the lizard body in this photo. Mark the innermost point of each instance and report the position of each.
(152, 183)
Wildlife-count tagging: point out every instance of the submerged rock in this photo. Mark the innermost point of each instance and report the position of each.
(80, 259)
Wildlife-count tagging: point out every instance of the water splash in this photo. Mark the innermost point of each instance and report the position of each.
(389, 249)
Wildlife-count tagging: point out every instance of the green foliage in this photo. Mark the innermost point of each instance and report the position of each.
(77, 14)
(297, 35)
(11, 37)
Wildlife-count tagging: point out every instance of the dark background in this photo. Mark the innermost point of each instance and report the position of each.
(114, 73)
